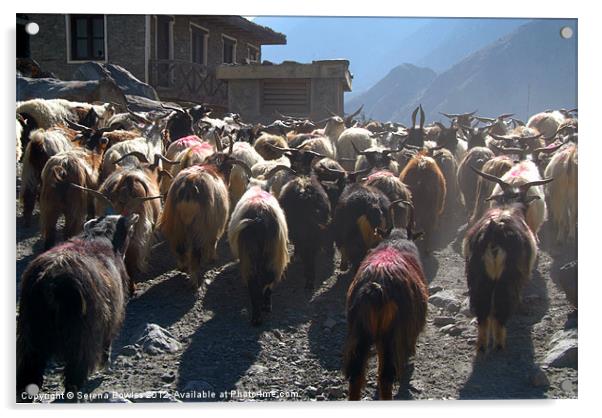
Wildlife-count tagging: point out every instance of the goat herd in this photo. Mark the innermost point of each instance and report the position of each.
(378, 191)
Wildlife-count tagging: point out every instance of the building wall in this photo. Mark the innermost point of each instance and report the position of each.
(125, 44)
(182, 40)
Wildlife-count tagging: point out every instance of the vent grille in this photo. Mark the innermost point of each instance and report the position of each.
(289, 96)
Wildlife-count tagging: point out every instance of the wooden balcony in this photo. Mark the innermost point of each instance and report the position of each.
(183, 81)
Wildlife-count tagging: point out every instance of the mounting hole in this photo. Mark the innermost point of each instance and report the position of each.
(32, 28)
(566, 32)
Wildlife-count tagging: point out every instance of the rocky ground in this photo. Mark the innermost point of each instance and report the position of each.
(178, 344)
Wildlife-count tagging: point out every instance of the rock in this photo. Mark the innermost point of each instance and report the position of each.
(277, 334)
(311, 390)
(168, 377)
(434, 289)
(445, 300)
(563, 354)
(129, 350)
(440, 321)
(257, 368)
(452, 329)
(336, 392)
(156, 340)
(539, 378)
(329, 323)
(465, 308)
(563, 335)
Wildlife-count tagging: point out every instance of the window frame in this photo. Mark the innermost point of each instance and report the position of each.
(205, 31)
(69, 40)
(256, 49)
(235, 44)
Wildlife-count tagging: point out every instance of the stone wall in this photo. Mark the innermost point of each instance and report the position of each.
(125, 44)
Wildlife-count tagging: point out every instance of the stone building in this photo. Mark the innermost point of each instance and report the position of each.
(176, 54)
(189, 58)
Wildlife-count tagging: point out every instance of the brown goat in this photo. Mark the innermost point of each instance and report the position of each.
(427, 184)
(72, 304)
(58, 196)
(387, 304)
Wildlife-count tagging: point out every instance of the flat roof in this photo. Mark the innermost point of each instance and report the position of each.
(336, 68)
(238, 25)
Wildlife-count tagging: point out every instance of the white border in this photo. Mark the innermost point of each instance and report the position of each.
(68, 38)
(251, 46)
(590, 86)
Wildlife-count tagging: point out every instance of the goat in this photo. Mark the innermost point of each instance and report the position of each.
(263, 146)
(446, 162)
(360, 214)
(258, 237)
(134, 189)
(72, 303)
(427, 184)
(546, 123)
(240, 176)
(497, 166)
(350, 143)
(525, 172)
(500, 252)
(467, 179)
(72, 167)
(196, 211)
(395, 190)
(387, 304)
(44, 144)
(562, 194)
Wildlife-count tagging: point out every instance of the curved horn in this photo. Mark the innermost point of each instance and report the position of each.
(349, 118)
(505, 116)
(137, 116)
(330, 111)
(278, 168)
(422, 117)
(402, 145)
(282, 149)
(548, 150)
(145, 198)
(137, 154)
(414, 113)
(524, 187)
(94, 193)
(164, 159)
(503, 137)
(244, 166)
(507, 150)
(490, 177)
(78, 127)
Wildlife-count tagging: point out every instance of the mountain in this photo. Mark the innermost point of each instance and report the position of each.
(401, 85)
(529, 70)
(375, 45)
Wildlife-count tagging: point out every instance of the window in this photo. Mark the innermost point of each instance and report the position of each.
(253, 54)
(229, 50)
(198, 41)
(87, 34)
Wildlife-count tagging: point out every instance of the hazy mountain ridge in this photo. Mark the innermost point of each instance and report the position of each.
(530, 70)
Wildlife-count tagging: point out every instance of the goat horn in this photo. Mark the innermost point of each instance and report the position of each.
(137, 154)
(244, 166)
(278, 168)
(94, 193)
(78, 127)
(422, 117)
(503, 137)
(354, 114)
(331, 112)
(414, 113)
(282, 149)
(137, 116)
(526, 186)
(145, 198)
(165, 159)
(505, 116)
(490, 177)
